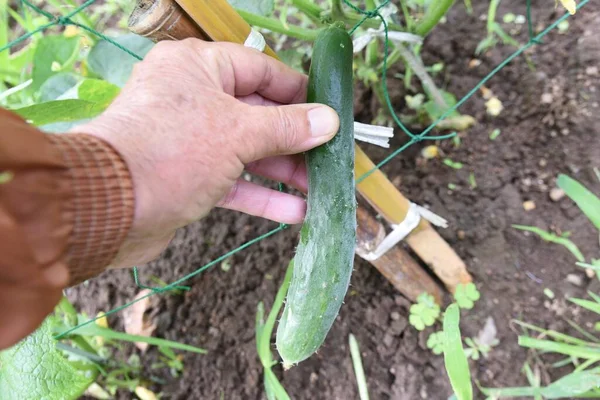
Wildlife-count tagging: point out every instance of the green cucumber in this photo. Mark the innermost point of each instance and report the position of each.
(325, 255)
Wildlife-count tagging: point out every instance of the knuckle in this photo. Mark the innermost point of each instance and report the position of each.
(286, 129)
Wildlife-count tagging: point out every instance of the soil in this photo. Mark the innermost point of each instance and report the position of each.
(539, 139)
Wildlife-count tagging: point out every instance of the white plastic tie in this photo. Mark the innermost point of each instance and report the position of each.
(374, 134)
(403, 229)
(402, 37)
(255, 40)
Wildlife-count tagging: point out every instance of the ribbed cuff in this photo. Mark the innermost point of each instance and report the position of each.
(103, 204)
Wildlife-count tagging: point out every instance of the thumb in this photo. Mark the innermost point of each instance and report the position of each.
(288, 129)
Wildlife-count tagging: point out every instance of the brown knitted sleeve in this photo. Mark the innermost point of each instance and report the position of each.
(70, 195)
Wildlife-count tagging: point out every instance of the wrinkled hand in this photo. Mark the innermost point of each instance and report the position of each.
(191, 119)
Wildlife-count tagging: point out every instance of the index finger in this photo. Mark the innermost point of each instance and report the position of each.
(245, 71)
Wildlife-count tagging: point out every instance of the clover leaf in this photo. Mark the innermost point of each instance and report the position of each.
(466, 295)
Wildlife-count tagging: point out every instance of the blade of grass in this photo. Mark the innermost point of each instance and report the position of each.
(582, 331)
(95, 330)
(553, 334)
(361, 380)
(588, 305)
(264, 330)
(574, 384)
(550, 237)
(264, 346)
(587, 201)
(584, 352)
(455, 359)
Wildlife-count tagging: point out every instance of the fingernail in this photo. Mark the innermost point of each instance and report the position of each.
(323, 121)
(57, 275)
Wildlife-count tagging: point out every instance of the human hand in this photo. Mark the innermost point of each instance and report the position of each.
(195, 115)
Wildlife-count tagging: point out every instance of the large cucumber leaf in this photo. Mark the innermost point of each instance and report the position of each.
(114, 64)
(36, 369)
(53, 54)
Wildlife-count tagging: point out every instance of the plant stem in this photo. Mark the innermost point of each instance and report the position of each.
(432, 16)
(416, 64)
(276, 26)
(407, 18)
(336, 9)
(308, 7)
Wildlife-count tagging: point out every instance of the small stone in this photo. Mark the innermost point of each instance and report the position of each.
(388, 339)
(529, 205)
(565, 131)
(461, 234)
(397, 181)
(474, 62)
(213, 331)
(553, 134)
(526, 181)
(592, 70)
(543, 162)
(547, 98)
(575, 279)
(313, 377)
(590, 273)
(397, 327)
(395, 315)
(556, 194)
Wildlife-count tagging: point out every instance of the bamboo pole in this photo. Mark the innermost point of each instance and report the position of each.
(220, 22)
(163, 20)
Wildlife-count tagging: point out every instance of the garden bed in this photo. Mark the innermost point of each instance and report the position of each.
(550, 125)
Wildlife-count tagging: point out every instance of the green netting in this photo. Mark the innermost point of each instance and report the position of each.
(414, 138)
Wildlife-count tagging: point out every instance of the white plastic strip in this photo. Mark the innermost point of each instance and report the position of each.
(403, 229)
(374, 134)
(15, 89)
(362, 41)
(255, 40)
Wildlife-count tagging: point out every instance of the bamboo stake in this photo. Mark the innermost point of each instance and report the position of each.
(163, 20)
(219, 21)
(396, 265)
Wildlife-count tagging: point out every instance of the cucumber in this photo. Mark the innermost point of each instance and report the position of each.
(325, 255)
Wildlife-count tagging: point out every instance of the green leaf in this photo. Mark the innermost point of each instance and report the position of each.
(94, 96)
(424, 312)
(35, 369)
(259, 7)
(57, 85)
(113, 64)
(466, 295)
(53, 54)
(455, 359)
(435, 342)
(60, 111)
(588, 305)
(435, 111)
(273, 388)
(578, 351)
(95, 330)
(550, 237)
(572, 385)
(587, 202)
(97, 91)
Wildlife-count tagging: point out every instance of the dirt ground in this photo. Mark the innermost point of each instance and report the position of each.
(538, 140)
